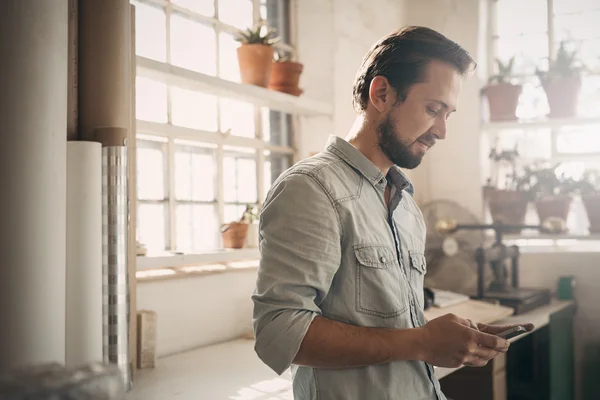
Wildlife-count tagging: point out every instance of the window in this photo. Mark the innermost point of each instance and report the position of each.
(532, 32)
(202, 158)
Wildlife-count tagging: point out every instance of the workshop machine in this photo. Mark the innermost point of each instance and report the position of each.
(462, 259)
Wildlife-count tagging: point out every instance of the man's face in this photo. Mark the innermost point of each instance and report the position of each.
(408, 129)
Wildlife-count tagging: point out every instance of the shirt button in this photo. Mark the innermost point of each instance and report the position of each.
(382, 259)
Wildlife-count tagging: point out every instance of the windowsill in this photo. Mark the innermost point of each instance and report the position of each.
(192, 80)
(172, 259)
(542, 123)
(169, 265)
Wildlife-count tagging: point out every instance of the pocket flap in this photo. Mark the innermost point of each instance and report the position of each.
(418, 262)
(374, 256)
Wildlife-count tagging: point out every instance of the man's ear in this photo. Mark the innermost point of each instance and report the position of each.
(379, 93)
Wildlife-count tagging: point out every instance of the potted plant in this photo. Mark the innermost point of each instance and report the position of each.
(255, 54)
(242, 233)
(503, 96)
(589, 188)
(285, 75)
(562, 83)
(507, 201)
(552, 194)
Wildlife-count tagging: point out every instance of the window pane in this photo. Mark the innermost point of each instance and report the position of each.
(150, 173)
(275, 165)
(228, 62)
(574, 6)
(150, 100)
(193, 45)
(577, 26)
(195, 174)
(239, 179)
(233, 212)
(151, 32)
(197, 227)
(532, 144)
(277, 128)
(516, 17)
(151, 226)
(576, 169)
(276, 13)
(246, 180)
(530, 51)
(589, 101)
(579, 140)
(205, 7)
(589, 53)
(533, 102)
(193, 109)
(236, 12)
(239, 117)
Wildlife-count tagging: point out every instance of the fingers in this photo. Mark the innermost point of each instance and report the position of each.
(472, 325)
(496, 329)
(491, 341)
(475, 362)
(484, 353)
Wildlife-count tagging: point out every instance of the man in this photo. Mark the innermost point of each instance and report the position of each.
(339, 293)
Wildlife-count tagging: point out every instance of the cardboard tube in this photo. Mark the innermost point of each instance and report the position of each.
(104, 65)
(72, 71)
(111, 136)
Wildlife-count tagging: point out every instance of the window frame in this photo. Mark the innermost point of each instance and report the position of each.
(220, 139)
(555, 128)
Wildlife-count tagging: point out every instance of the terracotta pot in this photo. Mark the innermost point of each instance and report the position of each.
(507, 207)
(235, 236)
(503, 99)
(285, 77)
(592, 208)
(563, 96)
(256, 63)
(554, 206)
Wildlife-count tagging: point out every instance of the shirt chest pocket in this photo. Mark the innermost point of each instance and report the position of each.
(380, 286)
(418, 269)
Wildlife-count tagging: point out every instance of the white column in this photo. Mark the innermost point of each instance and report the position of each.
(33, 111)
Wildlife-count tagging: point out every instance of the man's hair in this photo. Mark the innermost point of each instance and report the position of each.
(403, 57)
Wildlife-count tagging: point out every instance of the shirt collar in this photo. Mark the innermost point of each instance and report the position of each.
(353, 157)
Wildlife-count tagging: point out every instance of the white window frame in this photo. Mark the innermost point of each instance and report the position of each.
(495, 129)
(220, 138)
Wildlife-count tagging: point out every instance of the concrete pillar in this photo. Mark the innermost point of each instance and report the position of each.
(33, 110)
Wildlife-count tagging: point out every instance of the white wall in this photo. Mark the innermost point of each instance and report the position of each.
(199, 311)
(451, 170)
(333, 38)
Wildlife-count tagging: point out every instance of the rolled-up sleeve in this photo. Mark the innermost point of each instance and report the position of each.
(300, 245)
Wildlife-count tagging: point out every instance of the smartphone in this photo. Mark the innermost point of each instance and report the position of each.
(512, 332)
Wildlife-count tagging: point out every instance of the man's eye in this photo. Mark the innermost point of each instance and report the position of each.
(431, 111)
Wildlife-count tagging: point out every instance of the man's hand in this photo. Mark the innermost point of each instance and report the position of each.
(450, 341)
(496, 329)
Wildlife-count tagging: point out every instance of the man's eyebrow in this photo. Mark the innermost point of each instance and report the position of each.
(444, 105)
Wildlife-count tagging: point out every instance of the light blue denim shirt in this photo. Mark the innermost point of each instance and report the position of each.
(330, 246)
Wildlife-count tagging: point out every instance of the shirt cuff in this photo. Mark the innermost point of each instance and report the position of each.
(279, 342)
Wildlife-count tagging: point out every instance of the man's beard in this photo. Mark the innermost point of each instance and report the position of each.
(398, 151)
